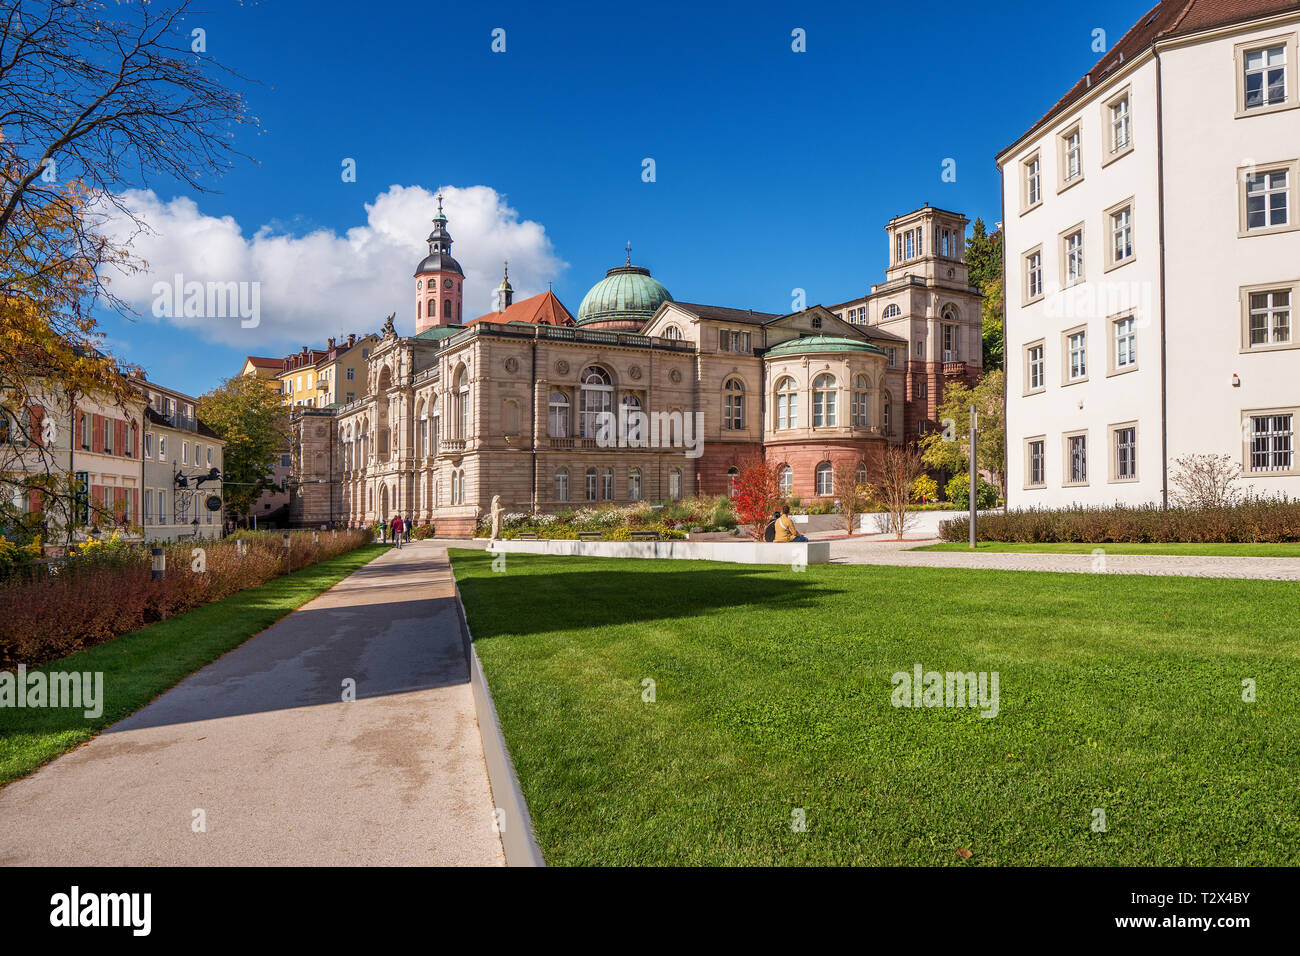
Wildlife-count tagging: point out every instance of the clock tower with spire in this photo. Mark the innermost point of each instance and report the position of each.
(439, 280)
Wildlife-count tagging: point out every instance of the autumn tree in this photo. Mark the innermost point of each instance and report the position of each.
(852, 491)
(948, 449)
(254, 424)
(756, 494)
(93, 101)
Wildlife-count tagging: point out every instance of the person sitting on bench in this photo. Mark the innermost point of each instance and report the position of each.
(785, 530)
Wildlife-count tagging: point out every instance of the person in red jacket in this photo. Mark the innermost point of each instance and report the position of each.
(398, 527)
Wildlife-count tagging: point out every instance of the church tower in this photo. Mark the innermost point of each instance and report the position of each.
(505, 294)
(439, 280)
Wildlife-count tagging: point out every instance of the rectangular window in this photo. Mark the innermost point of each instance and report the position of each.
(1035, 368)
(1036, 462)
(185, 453)
(1269, 318)
(352, 375)
(1125, 343)
(893, 357)
(1121, 235)
(1267, 199)
(1072, 257)
(1033, 173)
(1265, 77)
(1076, 458)
(1120, 130)
(286, 461)
(148, 507)
(1033, 275)
(950, 343)
(1272, 442)
(1124, 467)
(920, 348)
(1071, 156)
(162, 447)
(148, 444)
(1076, 351)
(110, 426)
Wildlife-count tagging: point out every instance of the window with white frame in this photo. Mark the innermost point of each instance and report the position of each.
(892, 311)
(1071, 156)
(1034, 275)
(607, 484)
(592, 484)
(1121, 235)
(825, 479)
(1121, 130)
(1272, 442)
(1076, 352)
(1269, 318)
(1268, 199)
(1076, 458)
(861, 391)
(1265, 76)
(785, 480)
(893, 356)
(1125, 343)
(148, 444)
(909, 244)
(558, 423)
(730, 340)
(675, 484)
(1036, 367)
(887, 414)
(634, 484)
(733, 407)
(1072, 257)
(1033, 171)
(950, 343)
(1036, 462)
(823, 401)
(787, 404)
(561, 484)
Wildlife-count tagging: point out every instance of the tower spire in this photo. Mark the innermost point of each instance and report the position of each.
(629, 252)
(505, 293)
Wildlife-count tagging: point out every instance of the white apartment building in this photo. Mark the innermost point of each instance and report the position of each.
(1151, 226)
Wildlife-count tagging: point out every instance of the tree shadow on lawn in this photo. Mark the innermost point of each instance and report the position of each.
(538, 602)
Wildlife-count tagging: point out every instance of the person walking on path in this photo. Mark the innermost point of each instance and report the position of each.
(398, 527)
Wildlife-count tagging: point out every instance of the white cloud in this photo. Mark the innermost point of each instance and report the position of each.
(322, 283)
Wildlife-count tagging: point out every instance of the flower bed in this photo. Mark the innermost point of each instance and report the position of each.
(1258, 520)
(107, 588)
(672, 520)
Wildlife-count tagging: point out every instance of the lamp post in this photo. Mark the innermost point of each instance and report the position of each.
(159, 563)
(288, 557)
(974, 429)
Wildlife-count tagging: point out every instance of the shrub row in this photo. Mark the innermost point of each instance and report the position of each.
(1259, 520)
(108, 589)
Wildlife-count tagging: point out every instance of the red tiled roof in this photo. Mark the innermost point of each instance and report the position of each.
(262, 361)
(542, 309)
(1169, 18)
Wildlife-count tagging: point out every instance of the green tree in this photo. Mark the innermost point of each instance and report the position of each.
(984, 260)
(254, 423)
(949, 447)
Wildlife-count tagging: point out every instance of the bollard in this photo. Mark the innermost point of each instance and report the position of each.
(159, 563)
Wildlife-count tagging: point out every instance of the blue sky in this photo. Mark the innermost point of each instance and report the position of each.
(774, 169)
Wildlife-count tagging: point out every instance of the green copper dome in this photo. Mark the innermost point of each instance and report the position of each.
(626, 294)
(822, 343)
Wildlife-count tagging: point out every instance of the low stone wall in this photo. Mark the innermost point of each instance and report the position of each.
(920, 524)
(738, 552)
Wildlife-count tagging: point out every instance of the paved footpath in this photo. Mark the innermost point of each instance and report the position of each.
(869, 551)
(284, 770)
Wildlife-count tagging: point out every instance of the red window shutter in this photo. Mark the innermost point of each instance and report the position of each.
(135, 505)
(119, 445)
(97, 433)
(135, 445)
(77, 421)
(34, 501)
(119, 504)
(36, 417)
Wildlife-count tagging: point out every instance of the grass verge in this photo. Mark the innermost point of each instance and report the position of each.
(772, 695)
(139, 666)
(1280, 550)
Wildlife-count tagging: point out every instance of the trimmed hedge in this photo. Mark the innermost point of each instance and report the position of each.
(1260, 520)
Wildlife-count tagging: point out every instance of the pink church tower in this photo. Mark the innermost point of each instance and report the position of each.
(439, 280)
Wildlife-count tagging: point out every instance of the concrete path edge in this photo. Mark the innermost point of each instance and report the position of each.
(517, 837)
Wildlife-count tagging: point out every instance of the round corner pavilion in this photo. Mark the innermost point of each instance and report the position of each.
(638, 396)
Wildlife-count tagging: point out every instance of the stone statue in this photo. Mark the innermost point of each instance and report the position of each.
(496, 517)
(389, 331)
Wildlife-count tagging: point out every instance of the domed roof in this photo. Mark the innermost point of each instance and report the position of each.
(439, 258)
(627, 294)
(439, 262)
(822, 343)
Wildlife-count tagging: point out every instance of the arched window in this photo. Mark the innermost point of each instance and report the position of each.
(592, 490)
(431, 309)
(787, 404)
(595, 400)
(891, 312)
(455, 486)
(607, 484)
(422, 433)
(461, 389)
(634, 484)
(785, 480)
(561, 484)
(733, 405)
(559, 417)
(823, 401)
(446, 308)
(672, 332)
(675, 484)
(633, 432)
(888, 418)
(860, 477)
(861, 401)
(825, 480)
(733, 475)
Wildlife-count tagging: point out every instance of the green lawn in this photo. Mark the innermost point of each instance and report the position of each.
(1285, 550)
(773, 693)
(139, 666)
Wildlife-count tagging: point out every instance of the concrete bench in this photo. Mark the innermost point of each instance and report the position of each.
(590, 536)
(527, 536)
(645, 535)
